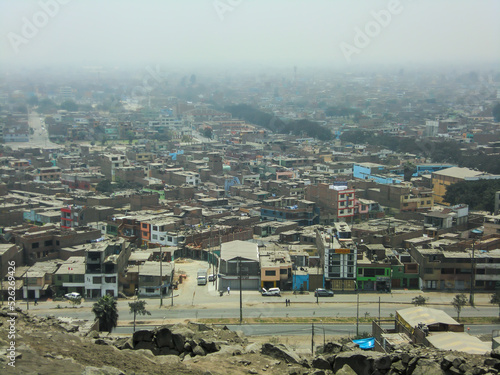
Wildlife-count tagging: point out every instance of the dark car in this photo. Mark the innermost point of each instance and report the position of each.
(320, 292)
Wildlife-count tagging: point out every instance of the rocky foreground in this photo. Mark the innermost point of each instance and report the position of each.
(54, 346)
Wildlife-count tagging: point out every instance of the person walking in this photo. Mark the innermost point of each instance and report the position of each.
(228, 290)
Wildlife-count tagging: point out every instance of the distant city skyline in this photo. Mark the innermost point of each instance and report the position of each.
(233, 33)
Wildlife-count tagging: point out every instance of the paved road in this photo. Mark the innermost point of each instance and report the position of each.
(305, 329)
(40, 137)
(192, 301)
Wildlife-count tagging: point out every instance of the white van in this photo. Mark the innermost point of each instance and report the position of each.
(271, 292)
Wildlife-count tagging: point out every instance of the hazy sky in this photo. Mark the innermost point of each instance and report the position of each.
(269, 32)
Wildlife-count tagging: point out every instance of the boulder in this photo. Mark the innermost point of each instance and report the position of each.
(345, 370)
(361, 362)
(198, 350)
(332, 348)
(495, 353)
(179, 337)
(129, 344)
(209, 346)
(447, 361)
(427, 367)
(144, 345)
(398, 367)
(163, 338)
(321, 363)
(383, 363)
(143, 335)
(280, 352)
(492, 362)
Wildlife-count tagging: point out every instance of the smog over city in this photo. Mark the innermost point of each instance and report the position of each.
(249, 187)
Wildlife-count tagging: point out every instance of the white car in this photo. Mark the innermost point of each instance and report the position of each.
(271, 292)
(72, 295)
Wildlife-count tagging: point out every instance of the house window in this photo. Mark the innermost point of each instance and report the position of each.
(35, 245)
(48, 243)
(144, 225)
(96, 280)
(271, 273)
(148, 279)
(283, 271)
(155, 237)
(110, 280)
(150, 290)
(70, 278)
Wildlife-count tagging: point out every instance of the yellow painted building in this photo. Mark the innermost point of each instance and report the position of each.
(449, 176)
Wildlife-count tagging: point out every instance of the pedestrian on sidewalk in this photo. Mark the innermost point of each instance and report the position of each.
(228, 290)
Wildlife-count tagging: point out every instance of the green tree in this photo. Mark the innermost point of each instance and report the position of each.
(419, 300)
(138, 307)
(69, 106)
(46, 106)
(32, 100)
(495, 300)
(104, 186)
(76, 301)
(106, 311)
(458, 303)
(496, 112)
(207, 132)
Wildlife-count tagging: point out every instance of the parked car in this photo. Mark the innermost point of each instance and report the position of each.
(271, 292)
(211, 277)
(72, 295)
(320, 292)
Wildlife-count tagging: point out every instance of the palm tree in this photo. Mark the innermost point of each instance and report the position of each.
(107, 312)
(138, 307)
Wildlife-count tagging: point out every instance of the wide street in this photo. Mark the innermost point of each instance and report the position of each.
(192, 302)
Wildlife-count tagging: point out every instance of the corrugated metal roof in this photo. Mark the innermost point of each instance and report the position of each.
(415, 315)
(459, 341)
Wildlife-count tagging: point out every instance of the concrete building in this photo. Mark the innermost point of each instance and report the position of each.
(239, 258)
(335, 202)
(446, 177)
(105, 261)
(339, 257)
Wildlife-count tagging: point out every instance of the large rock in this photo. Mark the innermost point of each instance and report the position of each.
(427, 367)
(179, 336)
(332, 348)
(198, 350)
(280, 351)
(383, 363)
(163, 338)
(209, 346)
(144, 345)
(361, 362)
(346, 370)
(143, 335)
(321, 363)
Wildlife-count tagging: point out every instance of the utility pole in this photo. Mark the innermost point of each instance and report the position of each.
(357, 314)
(138, 277)
(471, 297)
(161, 281)
(379, 309)
(312, 339)
(27, 292)
(241, 298)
